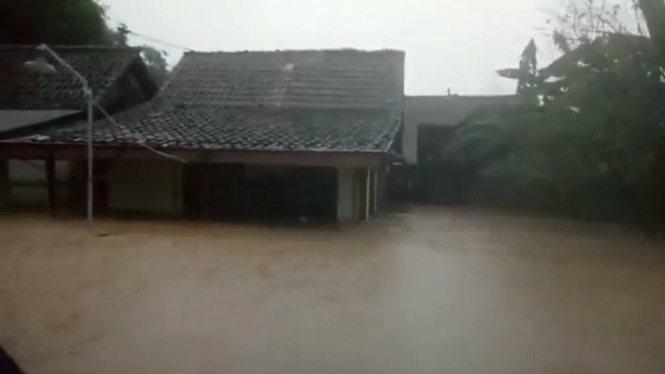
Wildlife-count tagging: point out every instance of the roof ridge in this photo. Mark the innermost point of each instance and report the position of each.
(328, 77)
(445, 96)
(71, 47)
(330, 50)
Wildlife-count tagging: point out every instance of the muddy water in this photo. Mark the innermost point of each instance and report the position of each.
(431, 291)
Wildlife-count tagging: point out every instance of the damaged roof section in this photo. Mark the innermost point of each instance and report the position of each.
(331, 100)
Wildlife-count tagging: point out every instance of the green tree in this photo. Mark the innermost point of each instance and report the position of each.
(53, 22)
(70, 22)
(155, 60)
(585, 140)
(527, 73)
(654, 16)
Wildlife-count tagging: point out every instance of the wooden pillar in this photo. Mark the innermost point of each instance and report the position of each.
(237, 177)
(368, 189)
(206, 191)
(51, 182)
(375, 191)
(381, 189)
(358, 194)
(370, 182)
(102, 185)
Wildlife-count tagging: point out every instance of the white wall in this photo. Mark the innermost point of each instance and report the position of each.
(442, 111)
(345, 195)
(430, 110)
(146, 186)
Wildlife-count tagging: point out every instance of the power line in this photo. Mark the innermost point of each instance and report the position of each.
(233, 89)
(142, 141)
(163, 42)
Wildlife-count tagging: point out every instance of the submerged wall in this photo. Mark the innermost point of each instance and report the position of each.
(146, 187)
(28, 180)
(346, 210)
(357, 194)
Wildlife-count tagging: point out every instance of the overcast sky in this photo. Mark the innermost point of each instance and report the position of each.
(456, 44)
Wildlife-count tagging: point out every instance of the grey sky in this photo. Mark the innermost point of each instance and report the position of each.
(456, 44)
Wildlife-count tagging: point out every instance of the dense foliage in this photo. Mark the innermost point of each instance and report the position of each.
(585, 138)
(68, 22)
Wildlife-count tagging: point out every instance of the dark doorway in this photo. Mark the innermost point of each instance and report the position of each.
(291, 192)
(434, 179)
(212, 191)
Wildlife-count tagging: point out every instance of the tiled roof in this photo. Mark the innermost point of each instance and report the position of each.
(242, 128)
(327, 78)
(11, 119)
(340, 100)
(23, 89)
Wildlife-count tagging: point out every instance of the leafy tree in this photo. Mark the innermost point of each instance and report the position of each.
(654, 16)
(154, 58)
(527, 73)
(69, 22)
(586, 139)
(53, 22)
(156, 62)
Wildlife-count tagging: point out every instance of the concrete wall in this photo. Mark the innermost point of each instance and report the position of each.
(441, 111)
(146, 187)
(346, 210)
(357, 194)
(422, 109)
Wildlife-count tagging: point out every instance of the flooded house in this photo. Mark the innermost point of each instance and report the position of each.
(284, 134)
(32, 102)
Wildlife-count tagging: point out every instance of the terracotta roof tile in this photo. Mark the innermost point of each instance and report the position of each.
(328, 78)
(23, 89)
(340, 100)
(243, 128)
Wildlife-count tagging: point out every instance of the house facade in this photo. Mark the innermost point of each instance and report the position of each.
(30, 103)
(287, 134)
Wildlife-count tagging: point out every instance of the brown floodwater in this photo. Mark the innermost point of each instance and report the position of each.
(429, 291)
